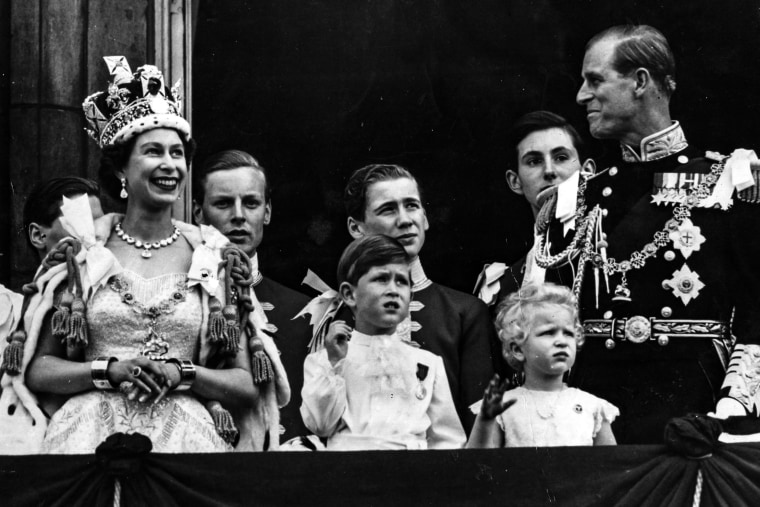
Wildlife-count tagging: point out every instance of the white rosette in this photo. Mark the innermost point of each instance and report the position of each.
(99, 262)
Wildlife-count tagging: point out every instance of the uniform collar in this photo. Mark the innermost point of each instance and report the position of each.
(257, 276)
(419, 278)
(658, 145)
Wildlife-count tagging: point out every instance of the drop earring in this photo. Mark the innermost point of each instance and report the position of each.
(124, 193)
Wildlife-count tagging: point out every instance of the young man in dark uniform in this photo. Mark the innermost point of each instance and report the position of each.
(386, 199)
(232, 193)
(545, 150)
(665, 236)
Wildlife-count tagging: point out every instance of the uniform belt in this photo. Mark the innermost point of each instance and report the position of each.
(639, 329)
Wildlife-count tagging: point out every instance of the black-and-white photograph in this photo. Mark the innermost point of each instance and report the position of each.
(379, 252)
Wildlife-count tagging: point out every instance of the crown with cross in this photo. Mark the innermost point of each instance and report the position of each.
(133, 104)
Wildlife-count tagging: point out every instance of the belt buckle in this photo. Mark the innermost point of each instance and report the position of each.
(638, 329)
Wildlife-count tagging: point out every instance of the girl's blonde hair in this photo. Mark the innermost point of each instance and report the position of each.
(514, 315)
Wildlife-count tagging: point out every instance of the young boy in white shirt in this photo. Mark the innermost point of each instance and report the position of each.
(367, 389)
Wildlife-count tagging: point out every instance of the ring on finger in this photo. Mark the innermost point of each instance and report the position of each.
(136, 371)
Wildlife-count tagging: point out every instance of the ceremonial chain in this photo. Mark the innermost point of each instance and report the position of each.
(155, 344)
(146, 246)
(680, 213)
(639, 258)
(545, 260)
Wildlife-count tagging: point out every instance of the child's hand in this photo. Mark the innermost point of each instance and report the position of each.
(336, 341)
(492, 400)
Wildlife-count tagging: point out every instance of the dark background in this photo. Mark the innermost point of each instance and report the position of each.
(316, 89)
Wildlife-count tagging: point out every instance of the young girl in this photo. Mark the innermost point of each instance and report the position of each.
(367, 389)
(540, 332)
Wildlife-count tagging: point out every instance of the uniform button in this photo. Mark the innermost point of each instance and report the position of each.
(663, 340)
(682, 159)
(613, 171)
(609, 343)
(607, 191)
(670, 255)
(666, 311)
(605, 212)
(607, 315)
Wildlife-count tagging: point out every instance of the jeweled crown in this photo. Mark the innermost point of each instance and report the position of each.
(133, 104)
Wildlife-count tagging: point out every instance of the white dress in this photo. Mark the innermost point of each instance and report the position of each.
(385, 394)
(568, 417)
(119, 321)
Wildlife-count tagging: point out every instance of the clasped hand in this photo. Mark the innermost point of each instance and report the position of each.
(142, 379)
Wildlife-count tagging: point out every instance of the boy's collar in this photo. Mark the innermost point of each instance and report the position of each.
(359, 338)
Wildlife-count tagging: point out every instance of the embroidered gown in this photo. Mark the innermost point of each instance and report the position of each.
(128, 316)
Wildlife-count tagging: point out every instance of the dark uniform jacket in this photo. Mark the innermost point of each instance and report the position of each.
(457, 327)
(292, 337)
(662, 351)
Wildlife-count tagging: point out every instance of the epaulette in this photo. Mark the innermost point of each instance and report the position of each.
(751, 194)
(487, 286)
(748, 193)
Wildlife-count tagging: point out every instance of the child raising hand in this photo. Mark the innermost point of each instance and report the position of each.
(367, 389)
(540, 333)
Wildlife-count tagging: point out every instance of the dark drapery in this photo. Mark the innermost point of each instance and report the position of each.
(605, 476)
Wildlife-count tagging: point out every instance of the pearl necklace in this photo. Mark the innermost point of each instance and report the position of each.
(146, 246)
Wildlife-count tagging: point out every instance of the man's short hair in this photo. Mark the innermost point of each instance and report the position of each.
(43, 204)
(224, 161)
(642, 46)
(537, 121)
(364, 253)
(355, 194)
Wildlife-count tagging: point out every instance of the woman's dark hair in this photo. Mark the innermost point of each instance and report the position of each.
(367, 252)
(114, 157)
(225, 161)
(537, 121)
(355, 194)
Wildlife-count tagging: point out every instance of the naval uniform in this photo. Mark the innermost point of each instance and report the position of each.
(292, 337)
(658, 342)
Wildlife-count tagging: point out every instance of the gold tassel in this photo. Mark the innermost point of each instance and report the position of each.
(61, 321)
(216, 324)
(263, 372)
(14, 352)
(223, 422)
(77, 336)
(232, 330)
